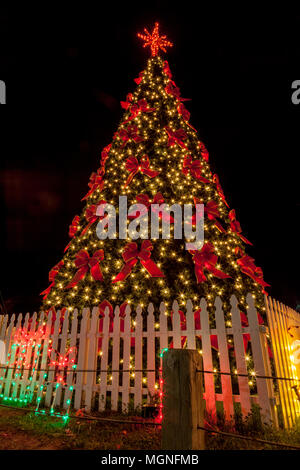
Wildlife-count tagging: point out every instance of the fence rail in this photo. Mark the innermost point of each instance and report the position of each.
(118, 357)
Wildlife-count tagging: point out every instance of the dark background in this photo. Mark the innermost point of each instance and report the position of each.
(65, 79)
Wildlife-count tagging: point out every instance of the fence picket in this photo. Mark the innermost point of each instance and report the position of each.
(115, 360)
(241, 365)
(138, 358)
(81, 376)
(104, 361)
(126, 359)
(210, 400)
(150, 351)
(224, 360)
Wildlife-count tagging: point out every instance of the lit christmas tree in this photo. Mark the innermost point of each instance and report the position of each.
(155, 156)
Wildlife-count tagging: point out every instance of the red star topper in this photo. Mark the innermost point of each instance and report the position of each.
(155, 41)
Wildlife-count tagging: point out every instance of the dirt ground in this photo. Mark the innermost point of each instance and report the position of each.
(25, 431)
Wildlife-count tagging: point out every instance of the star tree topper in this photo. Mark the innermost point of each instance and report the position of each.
(155, 41)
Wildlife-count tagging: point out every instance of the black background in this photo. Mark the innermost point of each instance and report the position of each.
(65, 76)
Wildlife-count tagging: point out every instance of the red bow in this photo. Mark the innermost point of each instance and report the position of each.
(52, 275)
(176, 137)
(73, 230)
(205, 258)
(173, 90)
(131, 255)
(203, 150)
(212, 212)
(84, 263)
(133, 165)
(138, 80)
(126, 104)
(183, 111)
(140, 107)
(194, 168)
(248, 267)
(167, 69)
(219, 188)
(74, 226)
(236, 227)
(130, 133)
(91, 216)
(96, 182)
(104, 154)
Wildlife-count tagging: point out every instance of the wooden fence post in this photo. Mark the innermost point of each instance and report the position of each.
(183, 405)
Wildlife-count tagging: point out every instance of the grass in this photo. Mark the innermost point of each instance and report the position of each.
(20, 430)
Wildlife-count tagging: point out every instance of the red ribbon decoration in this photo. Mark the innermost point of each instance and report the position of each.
(236, 227)
(167, 69)
(194, 168)
(104, 155)
(74, 226)
(130, 133)
(84, 263)
(205, 258)
(91, 216)
(133, 165)
(132, 255)
(135, 109)
(96, 181)
(248, 267)
(52, 275)
(212, 212)
(219, 188)
(126, 104)
(173, 90)
(138, 80)
(203, 150)
(176, 137)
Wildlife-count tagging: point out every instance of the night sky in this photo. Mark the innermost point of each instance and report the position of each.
(63, 108)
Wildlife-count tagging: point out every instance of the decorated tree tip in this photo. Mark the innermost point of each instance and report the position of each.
(155, 41)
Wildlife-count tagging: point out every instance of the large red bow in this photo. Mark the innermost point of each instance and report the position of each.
(133, 165)
(205, 258)
(130, 133)
(52, 275)
(194, 168)
(96, 182)
(236, 227)
(91, 216)
(176, 137)
(248, 267)
(132, 255)
(219, 188)
(84, 263)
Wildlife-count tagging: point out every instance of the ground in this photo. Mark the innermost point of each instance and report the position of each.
(25, 431)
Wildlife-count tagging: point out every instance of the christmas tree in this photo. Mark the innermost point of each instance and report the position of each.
(155, 157)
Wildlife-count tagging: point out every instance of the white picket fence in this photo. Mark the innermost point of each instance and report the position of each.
(125, 369)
